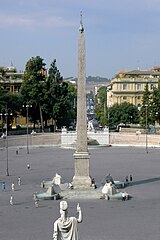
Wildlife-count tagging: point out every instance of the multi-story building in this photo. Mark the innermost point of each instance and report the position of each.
(10, 80)
(129, 86)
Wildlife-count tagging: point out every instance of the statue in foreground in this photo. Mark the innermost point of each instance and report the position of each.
(66, 228)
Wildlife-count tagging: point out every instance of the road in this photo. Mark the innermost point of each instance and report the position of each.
(136, 219)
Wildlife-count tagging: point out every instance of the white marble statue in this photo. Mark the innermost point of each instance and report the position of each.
(109, 189)
(66, 228)
(90, 126)
(57, 180)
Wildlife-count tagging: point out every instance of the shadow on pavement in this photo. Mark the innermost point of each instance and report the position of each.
(143, 181)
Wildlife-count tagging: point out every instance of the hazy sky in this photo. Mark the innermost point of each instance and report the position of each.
(119, 34)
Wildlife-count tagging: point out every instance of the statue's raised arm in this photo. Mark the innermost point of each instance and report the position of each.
(80, 216)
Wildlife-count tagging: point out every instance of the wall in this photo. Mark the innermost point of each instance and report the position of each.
(101, 137)
(117, 139)
(134, 139)
(33, 140)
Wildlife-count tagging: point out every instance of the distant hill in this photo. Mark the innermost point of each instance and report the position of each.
(91, 82)
(97, 79)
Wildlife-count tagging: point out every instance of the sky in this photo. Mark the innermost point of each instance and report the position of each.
(120, 35)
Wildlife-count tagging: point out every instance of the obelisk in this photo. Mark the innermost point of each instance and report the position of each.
(81, 178)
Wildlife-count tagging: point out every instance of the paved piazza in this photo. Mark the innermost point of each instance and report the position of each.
(136, 219)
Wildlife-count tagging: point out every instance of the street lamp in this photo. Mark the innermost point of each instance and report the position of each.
(6, 137)
(27, 121)
(146, 128)
(108, 105)
(1, 122)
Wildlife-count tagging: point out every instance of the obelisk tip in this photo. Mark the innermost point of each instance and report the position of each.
(81, 28)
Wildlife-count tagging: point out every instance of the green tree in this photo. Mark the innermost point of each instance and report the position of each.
(10, 105)
(125, 113)
(33, 88)
(155, 104)
(59, 98)
(101, 106)
(2, 99)
(2, 71)
(146, 109)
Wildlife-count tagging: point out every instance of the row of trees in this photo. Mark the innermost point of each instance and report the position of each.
(127, 113)
(47, 97)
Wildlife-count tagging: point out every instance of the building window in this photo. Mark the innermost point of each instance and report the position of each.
(139, 97)
(124, 98)
(152, 86)
(7, 88)
(16, 89)
(139, 107)
(138, 86)
(124, 86)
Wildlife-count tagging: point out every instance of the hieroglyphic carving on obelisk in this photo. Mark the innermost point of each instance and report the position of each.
(81, 178)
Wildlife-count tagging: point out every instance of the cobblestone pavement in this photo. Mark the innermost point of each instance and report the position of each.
(136, 219)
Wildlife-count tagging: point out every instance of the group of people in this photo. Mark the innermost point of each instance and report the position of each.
(12, 189)
(12, 184)
(11, 199)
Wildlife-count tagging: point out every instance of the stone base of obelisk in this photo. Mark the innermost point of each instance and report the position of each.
(81, 182)
(87, 193)
(82, 188)
(81, 178)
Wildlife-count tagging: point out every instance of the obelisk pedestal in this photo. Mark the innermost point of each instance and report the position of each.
(81, 178)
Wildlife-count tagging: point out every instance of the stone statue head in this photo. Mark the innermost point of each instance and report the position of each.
(63, 210)
(63, 205)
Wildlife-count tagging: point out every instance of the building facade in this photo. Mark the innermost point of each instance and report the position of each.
(129, 86)
(11, 81)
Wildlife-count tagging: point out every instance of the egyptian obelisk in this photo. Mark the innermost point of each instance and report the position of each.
(81, 178)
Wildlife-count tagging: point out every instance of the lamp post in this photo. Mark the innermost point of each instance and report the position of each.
(6, 137)
(27, 122)
(107, 91)
(27, 106)
(1, 122)
(146, 128)
(7, 169)
(108, 102)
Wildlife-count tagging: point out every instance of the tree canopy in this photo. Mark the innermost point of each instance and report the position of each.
(33, 87)
(101, 106)
(49, 96)
(125, 113)
(59, 97)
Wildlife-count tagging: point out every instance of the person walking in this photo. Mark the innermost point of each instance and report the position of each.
(19, 181)
(36, 200)
(3, 186)
(123, 196)
(28, 166)
(17, 151)
(43, 184)
(11, 200)
(130, 178)
(12, 187)
(126, 179)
